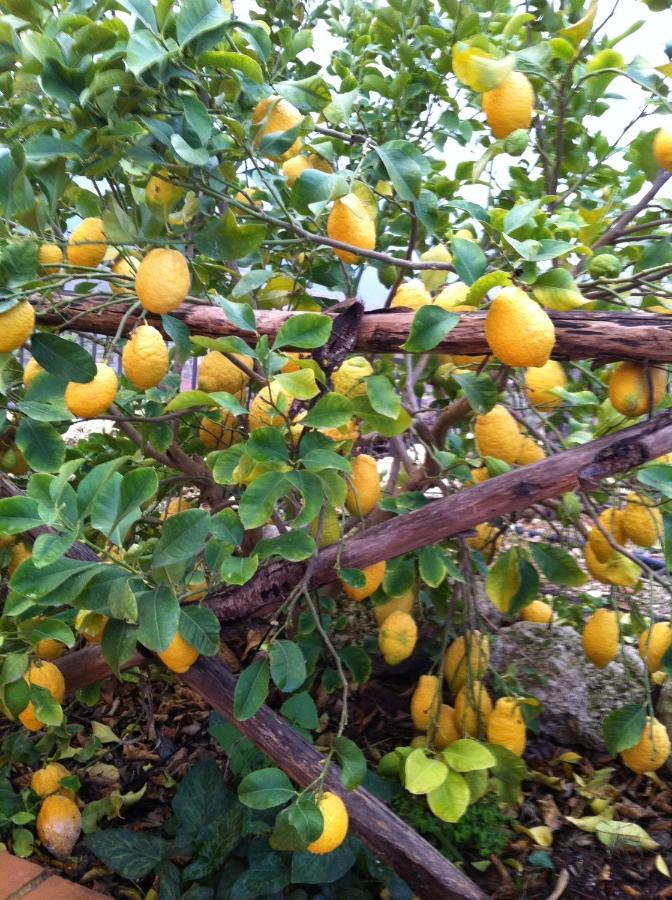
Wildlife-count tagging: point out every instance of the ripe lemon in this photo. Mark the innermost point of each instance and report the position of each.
(125, 269)
(600, 637)
(654, 643)
(49, 256)
(347, 432)
(517, 329)
(331, 528)
(350, 223)
(145, 358)
(469, 654)
(16, 326)
(47, 780)
(618, 569)
(397, 637)
(86, 401)
(506, 726)
(364, 486)
(612, 521)
(510, 105)
(404, 602)
(269, 407)
(294, 167)
(91, 625)
(446, 728)
(373, 575)
(335, 827)
(642, 521)
(530, 452)
(161, 194)
(247, 198)
(651, 751)
(412, 295)
(540, 381)
(425, 701)
(537, 611)
(472, 708)
(478, 476)
(487, 538)
(452, 296)
(87, 245)
(497, 435)
(662, 148)
(19, 553)
(49, 649)
(162, 281)
(179, 656)
(277, 115)
(176, 505)
(59, 824)
(48, 676)
(217, 373)
(220, 433)
(629, 389)
(32, 369)
(348, 379)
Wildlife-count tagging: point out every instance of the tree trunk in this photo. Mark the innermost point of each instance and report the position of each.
(579, 335)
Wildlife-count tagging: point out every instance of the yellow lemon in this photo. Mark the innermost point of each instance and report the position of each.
(217, 373)
(49, 256)
(412, 295)
(651, 751)
(86, 401)
(269, 407)
(662, 148)
(350, 223)
(16, 326)
(163, 280)
(468, 655)
(179, 656)
(472, 708)
(335, 827)
(32, 369)
(506, 726)
(48, 676)
(404, 602)
(145, 358)
(125, 269)
(348, 379)
(600, 637)
(58, 825)
(47, 780)
(220, 433)
(530, 452)
(397, 637)
(654, 643)
(537, 611)
(373, 576)
(632, 390)
(517, 329)
(642, 521)
(87, 245)
(540, 381)
(275, 114)
(364, 486)
(510, 105)
(497, 435)
(425, 701)
(161, 194)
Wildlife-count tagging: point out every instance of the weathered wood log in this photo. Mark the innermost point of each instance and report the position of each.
(579, 335)
(430, 875)
(452, 515)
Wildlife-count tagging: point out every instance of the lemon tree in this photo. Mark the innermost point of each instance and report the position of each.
(188, 189)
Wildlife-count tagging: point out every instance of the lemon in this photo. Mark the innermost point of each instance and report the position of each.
(540, 381)
(161, 194)
(612, 521)
(617, 570)
(472, 708)
(487, 538)
(145, 358)
(662, 148)
(530, 452)
(86, 401)
(58, 825)
(654, 643)
(364, 486)
(434, 278)
(642, 521)
(404, 602)
(335, 827)
(373, 576)
(510, 105)
(32, 369)
(125, 269)
(350, 223)
(47, 780)
(220, 433)
(412, 295)
(397, 637)
(517, 329)
(20, 553)
(600, 637)
(478, 476)
(87, 245)
(452, 296)
(275, 114)
(91, 625)
(629, 389)
(651, 751)
(176, 505)
(162, 281)
(331, 528)
(468, 655)
(506, 726)
(446, 728)
(497, 435)
(179, 656)
(537, 611)
(246, 198)
(217, 373)
(294, 167)
(269, 407)
(348, 379)
(425, 701)
(49, 256)
(16, 326)
(48, 676)
(49, 649)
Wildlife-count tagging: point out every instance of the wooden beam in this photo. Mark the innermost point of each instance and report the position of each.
(606, 336)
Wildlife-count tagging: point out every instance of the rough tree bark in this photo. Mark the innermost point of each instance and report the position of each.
(579, 335)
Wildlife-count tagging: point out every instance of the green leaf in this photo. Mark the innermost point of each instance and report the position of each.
(198, 17)
(432, 566)
(469, 260)
(288, 667)
(358, 661)
(14, 665)
(450, 800)
(331, 411)
(251, 690)
(267, 445)
(238, 569)
(398, 157)
(158, 617)
(47, 548)
(143, 52)
(557, 565)
(132, 854)
(382, 396)
(520, 215)
(226, 526)
(239, 314)
(298, 825)
(294, 545)
(195, 156)
(199, 627)
(143, 9)
(224, 238)
(45, 148)
(309, 94)
(311, 868)
(301, 710)
(300, 385)
(265, 789)
(189, 400)
(352, 762)
(18, 514)
(429, 326)
(52, 629)
(373, 421)
(42, 446)
(268, 877)
(422, 774)
(118, 644)
(182, 537)
(480, 391)
(304, 331)
(259, 499)
(623, 727)
(47, 709)
(468, 756)
(226, 60)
